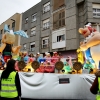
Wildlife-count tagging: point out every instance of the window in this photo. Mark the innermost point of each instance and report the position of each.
(1, 31)
(60, 38)
(24, 46)
(45, 42)
(32, 46)
(46, 7)
(9, 27)
(33, 31)
(0, 42)
(99, 28)
(46, 24)
(59, 19)
(26, 20)
(96, 10)
(58, 4)
(26, 31)
(58, 35)
(13, 26)
(96, 26)
(34, 17)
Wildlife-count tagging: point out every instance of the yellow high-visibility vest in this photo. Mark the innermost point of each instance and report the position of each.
(98, 95)
(8, 88)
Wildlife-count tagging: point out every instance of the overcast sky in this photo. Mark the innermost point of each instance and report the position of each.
(10, 7)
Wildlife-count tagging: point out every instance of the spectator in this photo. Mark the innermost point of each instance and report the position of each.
(48, 57)
(95, 88)
(10, 87)
(38, 57)
(26, 57)
(55, 57)
(32, 56)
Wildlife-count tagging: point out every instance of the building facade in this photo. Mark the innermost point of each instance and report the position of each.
(52, 25)
(14, 23)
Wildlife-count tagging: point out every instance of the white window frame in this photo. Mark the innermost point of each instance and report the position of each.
(61, 44)
(24, 46)
(46, 7)
(46, 24)
(1, 31)
(26, 31)
(96, 26)
(9, 27)
(34, 17)
(33, 31)
(0, 42)
(96, 7)
(46, 38)
(32, 49)
(26, 20)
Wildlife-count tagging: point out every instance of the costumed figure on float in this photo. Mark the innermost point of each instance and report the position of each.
(91, 44)
(8, 39)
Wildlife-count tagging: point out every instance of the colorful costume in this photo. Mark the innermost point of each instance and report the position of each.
(7, 52)
(8, 39)
(92, 41)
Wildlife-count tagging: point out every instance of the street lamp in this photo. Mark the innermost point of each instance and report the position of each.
(13, 20)
(13, 27)
(13, 24)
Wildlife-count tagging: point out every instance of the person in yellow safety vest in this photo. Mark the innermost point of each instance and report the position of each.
(10, 87)
(95, 88)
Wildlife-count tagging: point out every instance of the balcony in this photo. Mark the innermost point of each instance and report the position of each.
(57, 45)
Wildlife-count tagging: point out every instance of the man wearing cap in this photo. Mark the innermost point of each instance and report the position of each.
(38, 57)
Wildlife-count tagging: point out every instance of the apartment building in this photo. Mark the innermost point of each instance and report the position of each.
(14, 23)
(31, 24)
(52, 25)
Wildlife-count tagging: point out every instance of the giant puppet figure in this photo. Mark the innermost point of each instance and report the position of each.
(91, 44)
(8, 39)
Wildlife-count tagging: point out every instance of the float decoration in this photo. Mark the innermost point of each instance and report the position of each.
(91, 44)
(59, 66)
(8, 39)
(67, 68)
(77, 66)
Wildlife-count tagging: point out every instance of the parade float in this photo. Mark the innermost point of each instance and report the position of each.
(89, 50)
(62, 80)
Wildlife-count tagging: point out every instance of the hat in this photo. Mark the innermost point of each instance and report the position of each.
(54, 52)
(88, 25)
(46, 52)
